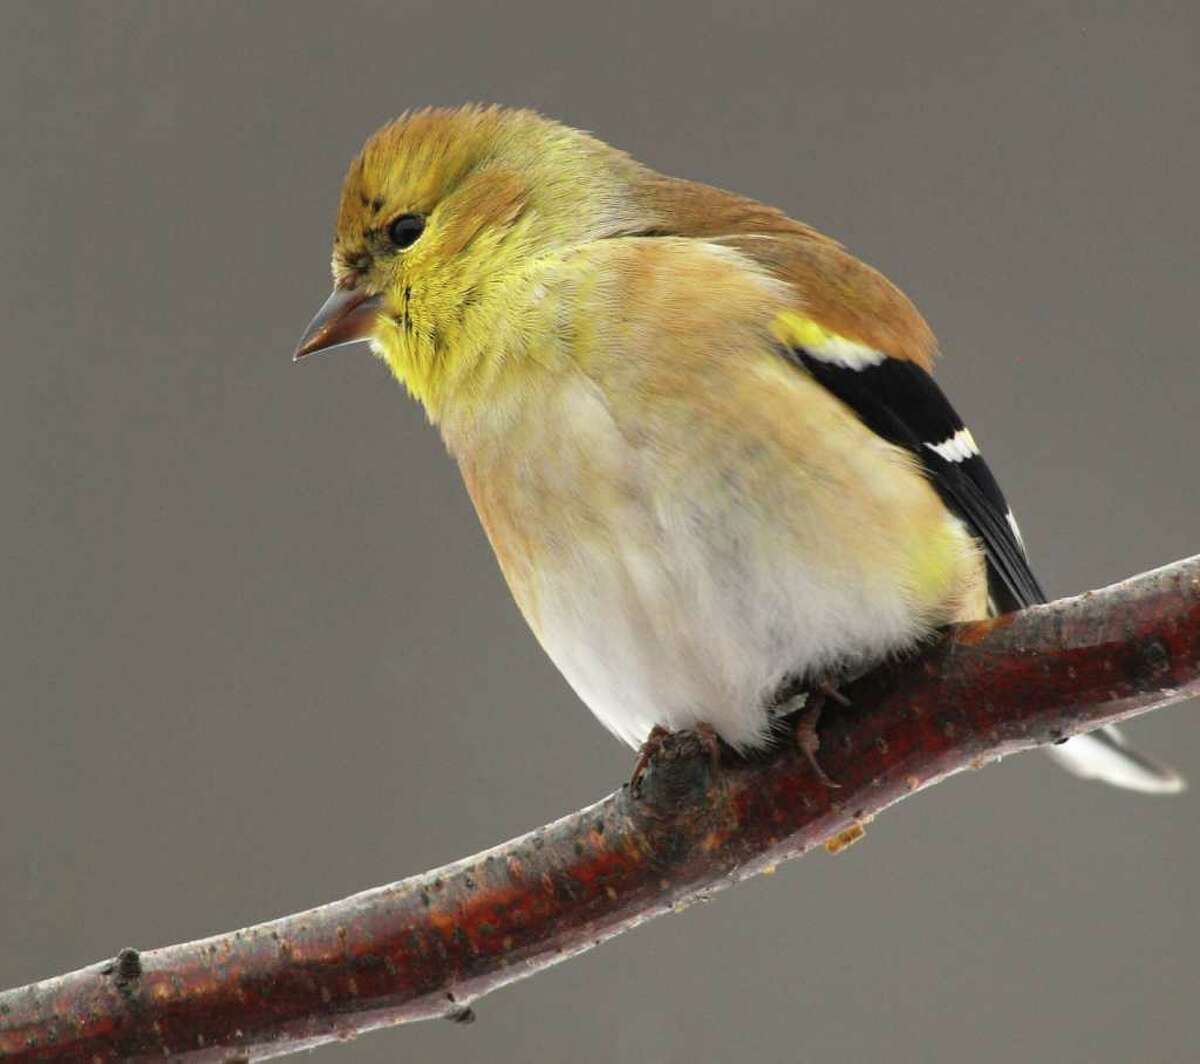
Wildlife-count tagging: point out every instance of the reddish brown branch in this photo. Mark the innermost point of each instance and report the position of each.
(430, 945)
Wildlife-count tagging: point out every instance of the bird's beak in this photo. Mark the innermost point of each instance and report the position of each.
(346, 317)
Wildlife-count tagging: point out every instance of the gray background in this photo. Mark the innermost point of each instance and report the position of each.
(257, 654)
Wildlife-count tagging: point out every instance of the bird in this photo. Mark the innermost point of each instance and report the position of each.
(703, 438)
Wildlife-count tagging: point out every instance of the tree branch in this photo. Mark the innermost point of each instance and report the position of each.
(430, 945)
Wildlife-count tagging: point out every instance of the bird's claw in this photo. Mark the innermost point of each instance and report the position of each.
(646, 752)
(805, 730)
(705, 735)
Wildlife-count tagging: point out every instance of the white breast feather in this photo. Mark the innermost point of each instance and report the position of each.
(685, 612)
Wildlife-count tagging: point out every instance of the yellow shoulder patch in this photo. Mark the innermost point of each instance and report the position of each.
(797, 330)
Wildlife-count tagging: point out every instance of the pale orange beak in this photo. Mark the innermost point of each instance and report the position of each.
(346, 317)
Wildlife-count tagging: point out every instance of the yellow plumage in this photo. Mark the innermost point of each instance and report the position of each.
(689, 519)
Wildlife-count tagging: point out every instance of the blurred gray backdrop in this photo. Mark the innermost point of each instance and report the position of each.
(256, 653)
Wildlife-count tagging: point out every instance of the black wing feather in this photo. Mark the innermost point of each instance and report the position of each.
(901, 402)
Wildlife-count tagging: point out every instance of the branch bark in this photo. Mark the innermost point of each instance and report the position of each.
(430, 945)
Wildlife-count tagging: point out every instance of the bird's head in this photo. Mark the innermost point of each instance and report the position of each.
(446, 219)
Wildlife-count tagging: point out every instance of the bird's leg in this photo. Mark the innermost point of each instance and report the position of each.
(705, 736)
(805, 729)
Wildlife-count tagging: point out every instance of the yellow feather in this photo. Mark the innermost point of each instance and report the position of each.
(506, 194)
(689, 522)
(681, 514)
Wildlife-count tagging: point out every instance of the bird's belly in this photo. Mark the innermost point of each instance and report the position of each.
(676, 581)
(677, 626)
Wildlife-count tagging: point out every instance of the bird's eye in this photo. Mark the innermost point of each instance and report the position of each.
(403, 232)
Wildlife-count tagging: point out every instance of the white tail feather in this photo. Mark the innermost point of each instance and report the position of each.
(1104, 755)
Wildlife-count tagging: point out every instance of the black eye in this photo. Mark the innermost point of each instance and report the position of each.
(403, 232)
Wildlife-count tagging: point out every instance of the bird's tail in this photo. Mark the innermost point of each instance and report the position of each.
(1105, 755)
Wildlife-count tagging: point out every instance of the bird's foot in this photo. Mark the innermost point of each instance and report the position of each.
(646, 753)
(660, 744)
(805, 729)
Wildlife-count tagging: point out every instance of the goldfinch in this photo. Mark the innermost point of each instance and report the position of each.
(702, 437)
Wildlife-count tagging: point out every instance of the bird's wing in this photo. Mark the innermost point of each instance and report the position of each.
(859, 337)
(901, 402)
